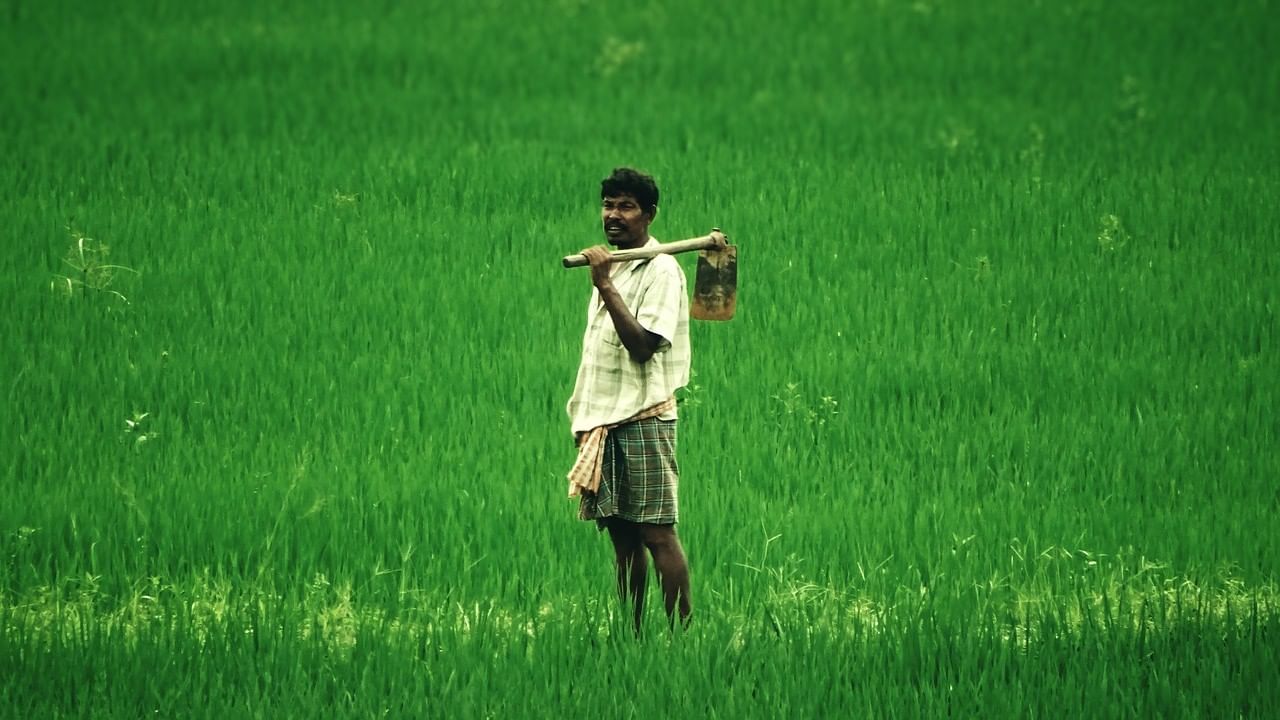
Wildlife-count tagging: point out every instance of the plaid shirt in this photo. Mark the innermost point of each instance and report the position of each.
(610, 385)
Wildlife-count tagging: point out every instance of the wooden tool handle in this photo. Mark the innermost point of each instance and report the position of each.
(707, 242)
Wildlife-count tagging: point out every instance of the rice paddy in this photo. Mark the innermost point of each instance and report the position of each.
(288, 344)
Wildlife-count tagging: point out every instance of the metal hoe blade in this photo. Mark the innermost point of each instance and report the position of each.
(715, 288)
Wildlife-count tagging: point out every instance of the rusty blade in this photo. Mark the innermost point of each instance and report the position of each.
(715, 287)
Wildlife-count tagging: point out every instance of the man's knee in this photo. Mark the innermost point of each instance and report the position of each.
(625, 536)
(659, 538)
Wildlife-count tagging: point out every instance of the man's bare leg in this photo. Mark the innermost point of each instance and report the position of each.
(632, 564)
(672, 567)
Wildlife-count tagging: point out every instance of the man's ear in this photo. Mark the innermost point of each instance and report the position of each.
(653, 213)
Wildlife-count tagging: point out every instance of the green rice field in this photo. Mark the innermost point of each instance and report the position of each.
(288, 343)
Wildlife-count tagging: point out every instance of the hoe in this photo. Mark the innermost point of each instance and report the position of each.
(715, 290)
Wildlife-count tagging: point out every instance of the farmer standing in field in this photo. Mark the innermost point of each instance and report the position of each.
(635, 354)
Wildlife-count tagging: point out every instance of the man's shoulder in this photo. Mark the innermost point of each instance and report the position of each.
(665, 265)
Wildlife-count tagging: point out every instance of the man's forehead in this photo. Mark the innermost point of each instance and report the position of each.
(619, 199)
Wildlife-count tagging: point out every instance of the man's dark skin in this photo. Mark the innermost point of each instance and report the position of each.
(626, 226)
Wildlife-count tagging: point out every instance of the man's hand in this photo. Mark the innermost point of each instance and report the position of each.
(598, 257)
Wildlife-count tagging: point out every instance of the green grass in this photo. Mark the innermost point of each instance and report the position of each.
(991, 435)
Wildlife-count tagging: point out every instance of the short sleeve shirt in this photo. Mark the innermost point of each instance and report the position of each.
(610, 386)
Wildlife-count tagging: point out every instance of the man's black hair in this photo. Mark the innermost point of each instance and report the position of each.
(626, 181)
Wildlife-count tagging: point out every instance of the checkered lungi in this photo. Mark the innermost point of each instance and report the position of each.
(639, 477)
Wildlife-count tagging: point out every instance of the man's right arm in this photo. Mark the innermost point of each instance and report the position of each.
(639, 342)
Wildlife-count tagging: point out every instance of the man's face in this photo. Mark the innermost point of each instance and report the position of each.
(625, 224)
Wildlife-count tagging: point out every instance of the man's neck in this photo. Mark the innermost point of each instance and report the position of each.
(635, 244)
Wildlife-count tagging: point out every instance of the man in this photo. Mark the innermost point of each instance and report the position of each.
(635, 355)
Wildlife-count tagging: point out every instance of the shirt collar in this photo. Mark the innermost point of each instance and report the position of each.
(641, 262)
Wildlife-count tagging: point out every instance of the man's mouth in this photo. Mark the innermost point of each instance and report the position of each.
(614, 229)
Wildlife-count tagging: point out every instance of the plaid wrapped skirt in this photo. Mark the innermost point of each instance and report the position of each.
(640, 476)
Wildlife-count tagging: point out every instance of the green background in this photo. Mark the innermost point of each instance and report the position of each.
(992, 431)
